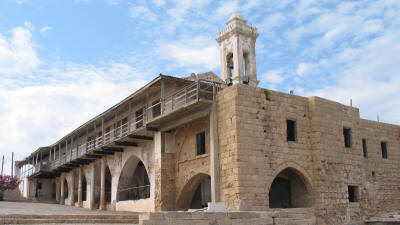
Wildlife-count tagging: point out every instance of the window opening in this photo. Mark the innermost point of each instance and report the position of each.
(353, 193)
(201, 143)
(384, 150)
(364, 145)
(347, 137)
(291, 130)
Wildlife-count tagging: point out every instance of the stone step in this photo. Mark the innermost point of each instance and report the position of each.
(69, 221)
(79, 216)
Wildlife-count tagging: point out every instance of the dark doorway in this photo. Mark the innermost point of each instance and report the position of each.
(202, 195)
(289, 191)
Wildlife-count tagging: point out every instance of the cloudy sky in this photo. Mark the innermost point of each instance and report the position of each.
(63, 62)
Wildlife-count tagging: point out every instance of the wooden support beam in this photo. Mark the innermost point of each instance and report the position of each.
(113, 149)
(152, 128)
(92, 156)
(84, 161)
(126, 143)
(103, 152)
(147, 138)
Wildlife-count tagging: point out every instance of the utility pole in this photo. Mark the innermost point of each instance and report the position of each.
(12, 163)
(2, 164)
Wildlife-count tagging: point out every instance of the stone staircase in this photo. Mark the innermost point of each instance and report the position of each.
(69, 219)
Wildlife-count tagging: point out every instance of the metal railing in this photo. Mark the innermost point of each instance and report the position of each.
(134, 193)
(200, 90)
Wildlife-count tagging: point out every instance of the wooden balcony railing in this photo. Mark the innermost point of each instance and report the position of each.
(202, 89)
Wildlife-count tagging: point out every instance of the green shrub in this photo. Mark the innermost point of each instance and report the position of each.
(1, 196)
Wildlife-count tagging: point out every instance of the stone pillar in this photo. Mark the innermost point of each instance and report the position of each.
(71, 192)
(91, 191)
(62, 200)
(80, 187)
(103, 185)
(214, 155)
(162, 181)
(58, 189)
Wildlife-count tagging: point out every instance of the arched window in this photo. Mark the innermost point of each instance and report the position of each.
(133, 182)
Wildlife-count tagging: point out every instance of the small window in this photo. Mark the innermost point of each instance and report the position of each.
(201, 143)
(384, 150)
(364, 146)
(347, 137)
(156, 108)
(139, 118)
(353, 193)
(291, 130)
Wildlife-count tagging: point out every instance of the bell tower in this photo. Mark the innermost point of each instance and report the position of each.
(238, 55)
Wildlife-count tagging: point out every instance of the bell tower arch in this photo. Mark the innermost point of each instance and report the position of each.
(238, 55)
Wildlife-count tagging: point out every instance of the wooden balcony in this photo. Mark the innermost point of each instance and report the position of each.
(193, 97)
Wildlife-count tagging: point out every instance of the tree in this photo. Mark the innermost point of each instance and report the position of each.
(8, 183)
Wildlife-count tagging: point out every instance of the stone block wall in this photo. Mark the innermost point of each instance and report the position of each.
(271, 217)
(254, 150)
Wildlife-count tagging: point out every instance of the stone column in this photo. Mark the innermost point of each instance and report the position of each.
(80, 187)
(62, 200)
(103, 186)
(162, 180)
(91, 199)
(72, 189)
(214, 155)
(58, 189)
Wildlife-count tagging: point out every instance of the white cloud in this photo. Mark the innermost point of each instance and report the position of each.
(29, 25)
(41, 114)
(142, 12)
(45, 29)
(273, 77)
(303, 69)
(17, 54)
(226, 9)
(199, 52)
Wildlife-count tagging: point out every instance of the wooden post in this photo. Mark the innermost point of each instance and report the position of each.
(87, 133)
(95, 135)
(162, 96)
(129, 117)
(102, 130)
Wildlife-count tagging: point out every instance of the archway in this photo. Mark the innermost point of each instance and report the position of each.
(289, 190)
(133, 182)
(196, 193)
(84, 188)
(66, 192)
(53, 191)
(108, 185)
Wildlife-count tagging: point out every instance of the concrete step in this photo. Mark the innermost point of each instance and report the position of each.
(79, 216)
(69, 219)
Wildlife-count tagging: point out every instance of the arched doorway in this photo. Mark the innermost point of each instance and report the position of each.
(53, 191)
(108, 185)
(66, 192)
(196, 193)
(84, 188)
(133, 182)
(289, 190)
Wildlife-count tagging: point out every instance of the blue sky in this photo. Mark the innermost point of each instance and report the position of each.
(63, 62)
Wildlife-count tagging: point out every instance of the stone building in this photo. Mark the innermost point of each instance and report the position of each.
(188, 143)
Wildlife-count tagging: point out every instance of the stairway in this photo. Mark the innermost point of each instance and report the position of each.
(69, 219)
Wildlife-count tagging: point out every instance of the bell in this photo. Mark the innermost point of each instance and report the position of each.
(230, 63)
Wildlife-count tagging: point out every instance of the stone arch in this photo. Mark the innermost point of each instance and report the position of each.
(53, 190)
(191, 189)
(84, 187)
(290, 188)
(66, 190)
(108, 184)
(133, 180)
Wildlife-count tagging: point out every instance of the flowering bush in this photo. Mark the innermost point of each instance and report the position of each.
(8, 182)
